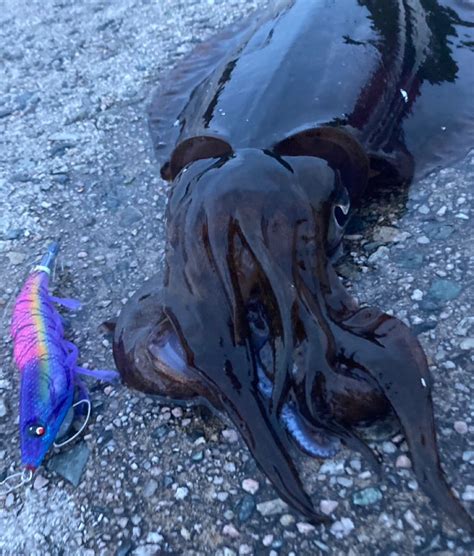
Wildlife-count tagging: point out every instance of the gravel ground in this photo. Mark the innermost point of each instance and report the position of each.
(149, 479)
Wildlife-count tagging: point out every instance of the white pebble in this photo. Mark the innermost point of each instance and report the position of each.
(305, 528)
(417, 295)
(272, 507)
(460, 427)
(389, 447)
(230, 435)
(230, 531)
(40, 482)
(411, 520)
(442, 211)
(424, 209)
(342, 527)
(250, 485)
(154, 538)
(467, 344)
(267, 540)
(328, 506)
(181, 493)
(468, 494)
(403, 462)
(286, 520)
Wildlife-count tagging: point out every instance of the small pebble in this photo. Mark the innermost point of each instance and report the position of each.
(230, 435)
(40, 482)
(442, 211)
(198, 456)
(411, 520)
(267, 540)
(181, 493)
(287, 519)
(272, 507)
(389, 447)
(177, 412)
(468, 455)
(443, 290)
(328, 506)
(367, 496)
(305, 528)
(403, 462)
(385, 234)
(154, 538)
(150, 488)
(467, 344)
(250, 485)
(185, 533)
(460, 427)
(230, 531)
(379, 255)
(342, 527)
(356, 464)
(247, 507)
(70, 464)
(16, 258)
(3, 408)
(417, 295)
(468, 494)
(332, 468)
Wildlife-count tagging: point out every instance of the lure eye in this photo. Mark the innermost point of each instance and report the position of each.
(36, 430)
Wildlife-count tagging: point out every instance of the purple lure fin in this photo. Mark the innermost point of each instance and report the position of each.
(100, 374)
(71, 304)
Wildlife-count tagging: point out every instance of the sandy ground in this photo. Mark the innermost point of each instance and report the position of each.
(76, 162)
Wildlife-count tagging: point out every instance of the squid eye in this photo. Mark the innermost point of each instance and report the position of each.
(341, 214)
(36, 430)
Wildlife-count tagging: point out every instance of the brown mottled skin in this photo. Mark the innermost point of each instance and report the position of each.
(282, 126)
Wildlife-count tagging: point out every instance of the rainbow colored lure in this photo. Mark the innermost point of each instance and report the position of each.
(48, 368)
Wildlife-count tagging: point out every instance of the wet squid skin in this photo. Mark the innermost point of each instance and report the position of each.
(251, 317)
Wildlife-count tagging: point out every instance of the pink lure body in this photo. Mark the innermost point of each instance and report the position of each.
(47, 363)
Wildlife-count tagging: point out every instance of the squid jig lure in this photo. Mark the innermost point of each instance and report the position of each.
(49, 373)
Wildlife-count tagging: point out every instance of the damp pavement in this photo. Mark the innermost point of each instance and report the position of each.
(149, 478)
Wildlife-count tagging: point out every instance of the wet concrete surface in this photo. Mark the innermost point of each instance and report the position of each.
(76, 162)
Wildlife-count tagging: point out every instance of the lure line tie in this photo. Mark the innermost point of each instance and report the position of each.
(15, 481)
(88, 405)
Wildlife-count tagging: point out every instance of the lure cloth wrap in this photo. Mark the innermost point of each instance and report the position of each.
(42, 356)
(47, 363)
